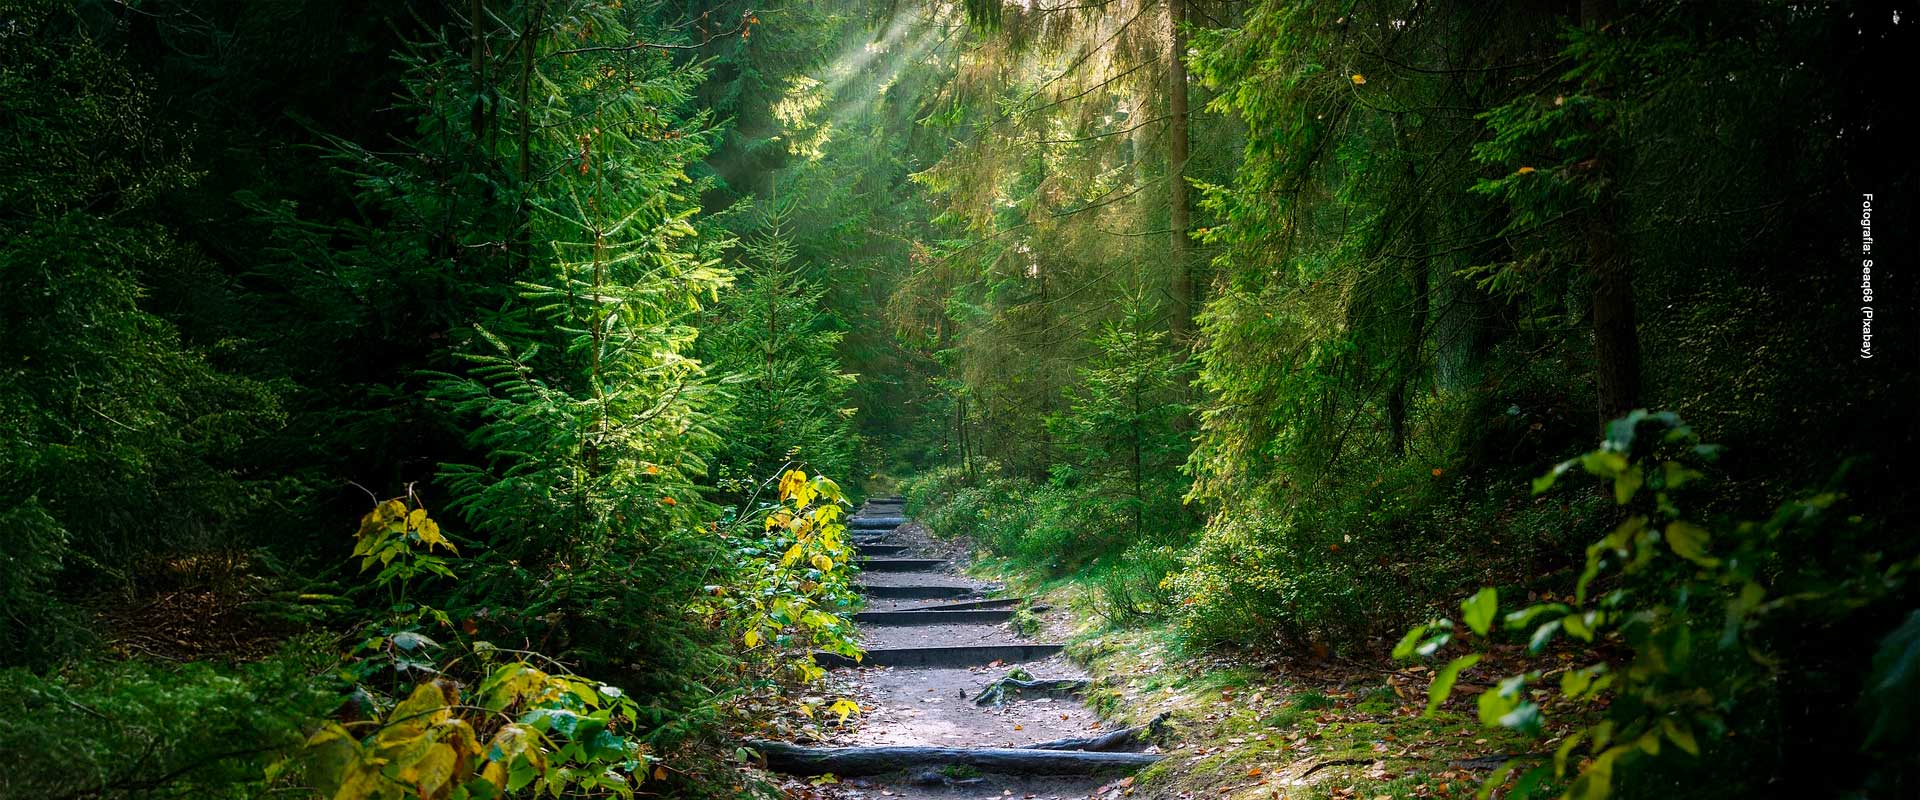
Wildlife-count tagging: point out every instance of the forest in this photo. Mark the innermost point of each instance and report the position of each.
(474, 398)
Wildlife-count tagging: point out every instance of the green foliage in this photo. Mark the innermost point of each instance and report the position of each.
(1697, 611)
(529, 728)
(142, 729)
(793, 594)
(1123, 437)
(116, 437)
(1055, 530)
(779, 346)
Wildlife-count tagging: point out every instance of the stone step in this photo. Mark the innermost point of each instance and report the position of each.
(923, 617)
(901, 564)
(965, 656)
(859, 761)
(869, 523)
(877, 549)
(915, 592)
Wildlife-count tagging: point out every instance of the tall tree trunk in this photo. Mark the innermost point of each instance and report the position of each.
(1616, 339)
(477, 51)
(1179, 211)
(1408, 363)
(523, 213)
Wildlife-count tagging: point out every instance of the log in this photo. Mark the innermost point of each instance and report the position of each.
(999, 602)
(873, 523)
(901, 564)
(856, 761)
(922, 617)
(879, 549)
(965, 656)
(914, 592)
(1110, 741)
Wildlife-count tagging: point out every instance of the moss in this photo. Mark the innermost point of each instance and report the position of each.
(1243, 731)
(960, 772)
(1378, 700)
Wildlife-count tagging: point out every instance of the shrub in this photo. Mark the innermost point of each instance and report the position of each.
(1683, 629)
(146, 729)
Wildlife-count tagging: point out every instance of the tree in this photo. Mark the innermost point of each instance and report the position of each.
(773, 338)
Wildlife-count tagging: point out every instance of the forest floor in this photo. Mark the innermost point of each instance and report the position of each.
(1268, 726)
(1243, 726)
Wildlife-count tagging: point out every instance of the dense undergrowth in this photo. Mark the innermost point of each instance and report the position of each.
(467, 273)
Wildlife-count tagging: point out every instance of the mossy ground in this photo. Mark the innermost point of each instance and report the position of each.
(1259, 726)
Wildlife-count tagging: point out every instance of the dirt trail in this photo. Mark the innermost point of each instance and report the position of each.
(938, 705)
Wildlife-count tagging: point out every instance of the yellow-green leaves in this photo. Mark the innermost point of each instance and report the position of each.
(790, 603)
(1681, 735)
(401, 540)
(1443, 681)
(1689, 541)
(1480, 609)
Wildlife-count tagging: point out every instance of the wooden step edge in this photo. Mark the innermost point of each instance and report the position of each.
(880, 760)
(902, 564)
(915, 592)
(965, 656)
(968, 605)
(919, 617)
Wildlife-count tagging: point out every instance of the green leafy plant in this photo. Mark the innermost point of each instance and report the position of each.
(1670, 611)
(529, 727)
(793, 594)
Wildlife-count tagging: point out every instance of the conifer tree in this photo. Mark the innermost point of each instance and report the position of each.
(771, 336)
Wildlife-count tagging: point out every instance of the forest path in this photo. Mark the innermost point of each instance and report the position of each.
(935, 640)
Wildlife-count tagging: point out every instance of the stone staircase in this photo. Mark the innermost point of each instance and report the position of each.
(936, 641)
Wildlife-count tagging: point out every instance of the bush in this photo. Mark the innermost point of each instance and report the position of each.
(1701, 635)
(158, 730)
(1052, 529)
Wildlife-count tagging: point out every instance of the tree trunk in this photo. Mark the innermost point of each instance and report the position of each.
(1179, 211)
(1616, 339)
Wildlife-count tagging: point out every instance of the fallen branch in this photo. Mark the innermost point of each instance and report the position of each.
(1002, 690)
(1338, 762)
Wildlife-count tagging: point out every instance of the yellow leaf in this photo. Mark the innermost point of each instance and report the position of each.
(822, 563)
(426, 706)
(1681, 735)
(1523, 170)
(659, 773)
(791, 482)
(1359, 79)
(495, 773)
(432, 772)
(753, 637)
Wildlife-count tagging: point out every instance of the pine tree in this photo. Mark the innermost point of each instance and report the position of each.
(779, 347)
